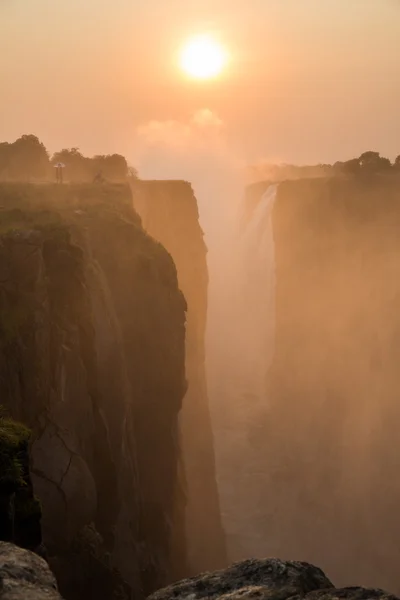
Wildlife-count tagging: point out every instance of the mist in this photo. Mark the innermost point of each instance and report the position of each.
(301, 353)
(240, 313)
(200, 297)
(198, 152)
(236, 339)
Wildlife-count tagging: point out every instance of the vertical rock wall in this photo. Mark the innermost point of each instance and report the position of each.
(329, 431)
(92, 330)
(169, 213)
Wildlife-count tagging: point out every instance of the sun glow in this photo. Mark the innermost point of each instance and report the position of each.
(203, 57)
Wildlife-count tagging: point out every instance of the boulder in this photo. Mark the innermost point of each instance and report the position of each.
(269, 578)
(25, 575)
(349, 593)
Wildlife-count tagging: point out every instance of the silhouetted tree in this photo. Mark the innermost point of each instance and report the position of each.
(24, 160)
(132, 173)
(351, 167)
(77, 166)
(4, 159)
(397, 162)
(27, 159)
(373, 162)
(113, 167)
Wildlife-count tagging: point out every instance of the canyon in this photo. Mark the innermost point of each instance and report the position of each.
(93, 361)
(311, 463)
(194, 400)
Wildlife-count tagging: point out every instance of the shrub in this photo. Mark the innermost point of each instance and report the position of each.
(14, 438)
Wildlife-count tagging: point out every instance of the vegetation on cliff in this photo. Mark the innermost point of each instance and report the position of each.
(368, 163)
(20, 509)
(27, 159)
(14, 437)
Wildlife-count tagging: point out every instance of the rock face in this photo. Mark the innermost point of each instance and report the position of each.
(328, 432)
(25, 576)
(20, 510)
(92, 329)
(169, 212)
(268, 579)
(277, 578)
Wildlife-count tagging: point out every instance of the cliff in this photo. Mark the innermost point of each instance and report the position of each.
(169, 213)
(92, 330)
(329, 430)
(20, 510)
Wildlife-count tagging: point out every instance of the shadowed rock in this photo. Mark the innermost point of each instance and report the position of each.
(25, 576)
(349, 593)
(169, 213)
(92, 360)
(270, 578)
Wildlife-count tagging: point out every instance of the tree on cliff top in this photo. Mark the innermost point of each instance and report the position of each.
(367, 163)
(373, 162)
(77, 167)
(351, 167)
(113, 167)
(26, 159)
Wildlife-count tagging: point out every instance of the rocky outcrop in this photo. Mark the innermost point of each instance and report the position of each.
(169, 213)
(25, 576)
(20, 509)
(268, 579)
(328, 432)
(280, 578)
(92, 329)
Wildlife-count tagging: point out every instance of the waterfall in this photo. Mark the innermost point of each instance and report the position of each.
(256, 291)
(247, 330)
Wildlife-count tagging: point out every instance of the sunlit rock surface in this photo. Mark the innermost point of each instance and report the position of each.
(267, 579)
(25, 576)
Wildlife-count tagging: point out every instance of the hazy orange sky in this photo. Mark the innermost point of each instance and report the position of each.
(309, 80)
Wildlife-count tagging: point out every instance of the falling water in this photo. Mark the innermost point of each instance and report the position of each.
(242, 383)
(256, 287)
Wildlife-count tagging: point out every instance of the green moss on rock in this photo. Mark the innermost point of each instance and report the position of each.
(20, 509)
(28, 508)
(14, 438)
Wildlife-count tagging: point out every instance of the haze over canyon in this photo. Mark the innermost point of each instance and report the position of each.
(199, 300)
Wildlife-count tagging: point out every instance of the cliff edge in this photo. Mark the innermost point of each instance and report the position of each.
(169, 213)
(329, 429)
(92, 330)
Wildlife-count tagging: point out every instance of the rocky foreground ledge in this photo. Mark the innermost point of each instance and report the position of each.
(25, 576)
(270, 579)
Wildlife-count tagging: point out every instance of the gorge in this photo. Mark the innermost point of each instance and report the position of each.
(198, 397)
(310, 466)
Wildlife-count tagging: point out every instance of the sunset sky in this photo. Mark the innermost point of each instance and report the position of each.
(308, 80)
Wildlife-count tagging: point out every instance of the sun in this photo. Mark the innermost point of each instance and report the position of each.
(203, 57)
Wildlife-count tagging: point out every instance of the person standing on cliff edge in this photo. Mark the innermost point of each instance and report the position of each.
(59, 173)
